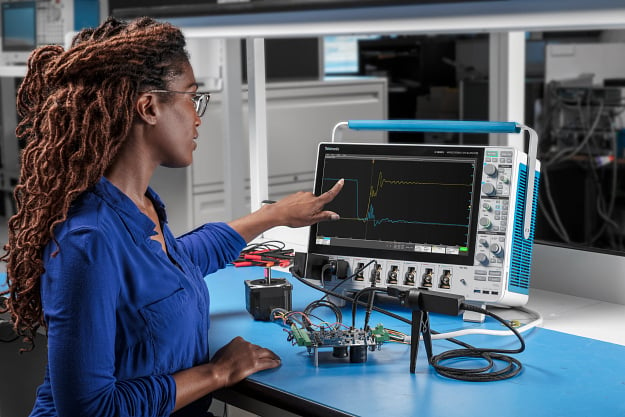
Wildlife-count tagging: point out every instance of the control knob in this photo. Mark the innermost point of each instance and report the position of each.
(482, 258)
(496, 249)
(488, 189)
(490, 170)
(485, 222)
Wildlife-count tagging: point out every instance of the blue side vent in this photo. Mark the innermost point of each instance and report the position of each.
(521, 255)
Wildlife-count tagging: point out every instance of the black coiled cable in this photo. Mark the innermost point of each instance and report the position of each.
(486, 373)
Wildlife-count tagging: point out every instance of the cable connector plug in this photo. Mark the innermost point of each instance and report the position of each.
(426, 300)
(339, 268)
(309, 265)
(401, 293)
(441, 303)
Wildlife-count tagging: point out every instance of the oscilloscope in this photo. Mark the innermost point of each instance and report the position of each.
(449, 218)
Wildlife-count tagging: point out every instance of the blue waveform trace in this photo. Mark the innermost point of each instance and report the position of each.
(376, 222)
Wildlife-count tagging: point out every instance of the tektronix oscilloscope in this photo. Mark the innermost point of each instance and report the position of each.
(450, 218)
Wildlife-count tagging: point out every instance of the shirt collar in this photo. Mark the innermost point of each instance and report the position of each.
(139, 225)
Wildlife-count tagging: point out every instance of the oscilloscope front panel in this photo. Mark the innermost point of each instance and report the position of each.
(445, 217)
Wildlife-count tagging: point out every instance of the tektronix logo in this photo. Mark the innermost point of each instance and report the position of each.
(328, 148)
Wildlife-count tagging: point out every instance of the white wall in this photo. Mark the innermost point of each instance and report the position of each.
(570, 60)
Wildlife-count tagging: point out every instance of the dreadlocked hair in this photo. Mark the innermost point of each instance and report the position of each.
(76, 109)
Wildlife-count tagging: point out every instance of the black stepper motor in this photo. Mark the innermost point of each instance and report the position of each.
(262, 296)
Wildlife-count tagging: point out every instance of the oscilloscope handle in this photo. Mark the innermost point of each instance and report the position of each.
(458, 126)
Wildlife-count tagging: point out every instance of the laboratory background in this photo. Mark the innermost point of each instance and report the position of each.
(283, 74)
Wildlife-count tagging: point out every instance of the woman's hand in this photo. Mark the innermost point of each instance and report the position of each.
(304, 208)
(240, 359)
(231, 364)
(296, 210)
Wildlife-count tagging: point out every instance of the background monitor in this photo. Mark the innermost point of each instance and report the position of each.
(19, 30)
(341, 54)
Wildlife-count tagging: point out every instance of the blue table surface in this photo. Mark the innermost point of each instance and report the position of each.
(563, 375)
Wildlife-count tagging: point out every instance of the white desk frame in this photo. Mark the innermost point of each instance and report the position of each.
(505, 21)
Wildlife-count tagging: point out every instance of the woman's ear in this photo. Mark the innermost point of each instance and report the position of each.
(147, 108)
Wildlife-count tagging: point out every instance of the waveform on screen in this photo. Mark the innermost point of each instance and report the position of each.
(381, 181)
(371, 217)
(374, 190)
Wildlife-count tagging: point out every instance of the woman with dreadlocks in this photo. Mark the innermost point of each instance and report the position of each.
(90, 256)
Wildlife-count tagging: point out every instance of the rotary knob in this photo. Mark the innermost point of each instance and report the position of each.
(496, 249)
(485, 222)
(490, 170)
(488, 189)
(482, 258)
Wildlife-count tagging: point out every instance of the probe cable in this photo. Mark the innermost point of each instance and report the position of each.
(289, 317)
(482, 374)
(269, 253)
(348, 278)
(487, 372)
(537, 319)
(349, 299)
(325, 303)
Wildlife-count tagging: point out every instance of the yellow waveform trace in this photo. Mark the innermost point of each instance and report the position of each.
(373, 191)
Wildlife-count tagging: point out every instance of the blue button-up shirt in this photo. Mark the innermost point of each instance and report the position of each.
(122, 314)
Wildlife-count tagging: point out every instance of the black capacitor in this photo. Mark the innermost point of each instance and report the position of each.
(358, 354)
(339, 351)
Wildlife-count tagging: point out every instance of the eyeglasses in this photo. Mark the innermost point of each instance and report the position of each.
(200, 99)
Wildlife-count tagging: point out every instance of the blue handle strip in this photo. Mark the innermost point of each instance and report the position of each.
(435, 126)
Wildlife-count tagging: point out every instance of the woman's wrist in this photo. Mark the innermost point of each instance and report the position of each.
(217, 374)
(257, 222)
(196, 382)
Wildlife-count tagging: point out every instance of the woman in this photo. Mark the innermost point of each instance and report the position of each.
(90, 256)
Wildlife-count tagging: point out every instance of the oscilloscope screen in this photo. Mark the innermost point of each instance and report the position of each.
(414, 204)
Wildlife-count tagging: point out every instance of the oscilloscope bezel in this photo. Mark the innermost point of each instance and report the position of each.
(402, 150)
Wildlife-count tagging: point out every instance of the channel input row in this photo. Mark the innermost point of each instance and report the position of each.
(401, 274)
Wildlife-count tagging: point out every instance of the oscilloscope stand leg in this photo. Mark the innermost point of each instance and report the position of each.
(473, 316)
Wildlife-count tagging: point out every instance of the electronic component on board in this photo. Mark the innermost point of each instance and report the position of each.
(354, 341)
